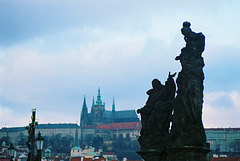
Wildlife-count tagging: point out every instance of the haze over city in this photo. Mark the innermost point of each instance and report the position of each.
(53, 53)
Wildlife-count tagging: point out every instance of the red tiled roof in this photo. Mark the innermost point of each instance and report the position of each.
(103, 127)
(87, 159)
(225, 159)
(123, 125)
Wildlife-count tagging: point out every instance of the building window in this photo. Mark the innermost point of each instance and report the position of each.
(120, 136)
(124, 135)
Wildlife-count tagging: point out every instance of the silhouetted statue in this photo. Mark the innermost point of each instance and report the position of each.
(157, 113)
(187, 139)
(187, 127)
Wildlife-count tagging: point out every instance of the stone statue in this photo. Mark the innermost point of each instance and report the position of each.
(186, 139)
(187, 128)
(157, 113)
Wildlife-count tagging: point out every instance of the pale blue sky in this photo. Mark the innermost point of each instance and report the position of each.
(52, 53)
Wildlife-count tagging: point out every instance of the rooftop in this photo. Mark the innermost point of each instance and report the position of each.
(222, 129)
(120, 114)
(41, 126)
(124, 125)
(57, 126)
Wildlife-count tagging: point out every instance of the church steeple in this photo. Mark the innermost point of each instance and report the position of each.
(84, 102)
(97, 110)
(84, 114)
(99, 100)
(93, 104)
(113, 105)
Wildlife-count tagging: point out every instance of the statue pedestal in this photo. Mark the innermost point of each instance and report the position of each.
(189, 153)
(154, 155)
(177, 153)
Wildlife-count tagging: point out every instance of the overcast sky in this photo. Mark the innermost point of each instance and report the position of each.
(52, 53)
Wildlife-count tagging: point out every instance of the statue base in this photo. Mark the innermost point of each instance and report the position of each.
(153, 155)
(177, 153)
(189, 153)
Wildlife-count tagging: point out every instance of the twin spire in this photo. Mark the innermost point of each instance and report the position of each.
(99, 100)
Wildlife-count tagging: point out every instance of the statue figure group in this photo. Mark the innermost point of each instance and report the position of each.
(185, 109)
(157, 113)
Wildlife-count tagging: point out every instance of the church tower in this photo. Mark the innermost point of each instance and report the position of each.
(84, 115)
(97, 110)
(76, 150)
(113, 105)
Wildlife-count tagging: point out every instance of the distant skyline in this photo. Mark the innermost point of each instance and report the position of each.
(52, 53)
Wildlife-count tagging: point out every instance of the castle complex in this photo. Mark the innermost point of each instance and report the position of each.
(113, 124)
(99, 115)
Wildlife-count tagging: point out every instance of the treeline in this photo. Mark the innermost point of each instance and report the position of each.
(56, 143)
(123, 147)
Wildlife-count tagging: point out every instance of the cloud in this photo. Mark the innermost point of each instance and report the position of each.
(8, 118)
(221, 68)
(5, 114)
(51, 59)
(221, 114)
(30, 76)
(235, 96)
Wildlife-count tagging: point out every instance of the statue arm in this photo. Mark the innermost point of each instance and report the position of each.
(171, 75)
(145, 110)
(170, 86)
(170, 79)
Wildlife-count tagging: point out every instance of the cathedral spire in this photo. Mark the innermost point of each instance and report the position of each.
(99, 100)
(84, 114)
(84, 102)
(113, 105)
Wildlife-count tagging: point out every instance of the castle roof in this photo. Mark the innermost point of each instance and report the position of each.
(57, 126)
(40, 126)
(119, 114)
(12, 129)
(103, 127)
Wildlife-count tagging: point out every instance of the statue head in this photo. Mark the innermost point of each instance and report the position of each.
(186, 24)
(186, 28)
(156, 83)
